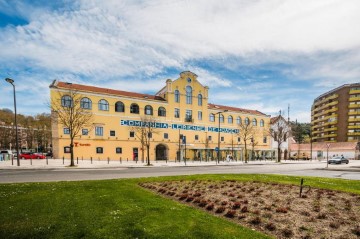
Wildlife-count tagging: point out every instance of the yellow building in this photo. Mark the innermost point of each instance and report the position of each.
(181, 107)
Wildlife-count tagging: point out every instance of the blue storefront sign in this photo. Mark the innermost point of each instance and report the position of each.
(159, 125)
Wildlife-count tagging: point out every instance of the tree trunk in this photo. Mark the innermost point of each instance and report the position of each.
(148, 154)
(279, 155)
(72, 152)
(246, 154)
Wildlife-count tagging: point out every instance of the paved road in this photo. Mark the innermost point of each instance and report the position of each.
(351, 171)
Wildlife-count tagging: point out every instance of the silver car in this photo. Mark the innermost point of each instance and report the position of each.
(338, 160)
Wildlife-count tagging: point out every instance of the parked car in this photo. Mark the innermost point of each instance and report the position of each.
(31, 156)
(338, 160)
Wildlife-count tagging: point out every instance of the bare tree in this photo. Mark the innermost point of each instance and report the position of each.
(280, 132)
(66, 109)
(247, 133)
(144, 134)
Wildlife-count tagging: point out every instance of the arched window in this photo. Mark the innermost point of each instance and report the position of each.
(177, 96)
(199, 99)
(103, 105)
(119, 107)
(188, 95)
(247, 121)
(230, 119)
(238, 120)
(161, 111)
(148, 110)
(254, 122)
(261, 123)
(134, 109)
(212, 118)
(221, 118)
(66, 101)
(86, 103)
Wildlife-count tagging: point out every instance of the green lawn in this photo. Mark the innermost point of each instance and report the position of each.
(122, 209)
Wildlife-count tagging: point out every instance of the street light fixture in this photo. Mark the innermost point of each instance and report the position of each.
(218, 153)
(11, 81)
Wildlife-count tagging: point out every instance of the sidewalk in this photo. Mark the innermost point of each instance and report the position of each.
(88, 164)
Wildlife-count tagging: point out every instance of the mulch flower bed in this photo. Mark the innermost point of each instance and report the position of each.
(274, 209)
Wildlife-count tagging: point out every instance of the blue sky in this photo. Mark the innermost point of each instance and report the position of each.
(259, 54)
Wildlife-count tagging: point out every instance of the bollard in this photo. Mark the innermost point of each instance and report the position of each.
(77, 160)
(166, 160)
(30, 160)
(120, 160)
(99, 158)
(301, 186)
(91, 159)
(47, 162)
(82, 158)
(63, 159)
(127, 159)
(108, 160)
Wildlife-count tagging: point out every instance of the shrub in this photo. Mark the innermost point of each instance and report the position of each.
(197, 194)
(321, 216)
(185, 191)
(183, 196)
(267, 207)
(210, 206)
(268, 215)
(270, 226)
(220, 209)
(236, 205)
(224, 203)
(203, 203)
(334, 225)
(189, 199)
(196, 200)
(305, 213)
(286, 232)
(356, 230)
(231, 195)
(230, 213)
(255, 220)
(245, 201)
(256, 212)
(244, 209)
(281, 210)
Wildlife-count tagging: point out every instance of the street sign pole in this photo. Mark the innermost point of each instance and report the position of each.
(327, 155)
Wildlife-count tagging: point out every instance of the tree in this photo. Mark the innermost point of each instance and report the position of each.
(144, 134)
(280, 131)
(247, 132)
(67, 111)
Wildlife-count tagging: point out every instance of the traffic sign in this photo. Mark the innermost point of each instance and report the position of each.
(216, 149)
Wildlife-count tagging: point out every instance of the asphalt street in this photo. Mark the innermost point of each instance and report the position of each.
(318, 169)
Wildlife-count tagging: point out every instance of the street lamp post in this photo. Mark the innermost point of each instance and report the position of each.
(11, 81)
(218, 155)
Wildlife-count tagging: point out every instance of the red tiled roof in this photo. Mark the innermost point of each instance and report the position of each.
(276, 118)
(223, 107)
(106, 91)
(323, 145)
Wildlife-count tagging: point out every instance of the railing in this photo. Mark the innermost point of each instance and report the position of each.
(189, 119)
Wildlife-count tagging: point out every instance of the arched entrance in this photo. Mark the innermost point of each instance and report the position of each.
(161, 152)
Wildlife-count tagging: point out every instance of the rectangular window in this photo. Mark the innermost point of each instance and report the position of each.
(199, 115)
(112, 132)
(149, 135)
(84, 131)
(119, 150)
(222, 138)
(238, 139)
(66, 131)
(132, 134)
(188, 117)
(177, 113)
(209, 137)
(67, 150)
(166, 135)
(99, 150)
(99, 131)
(264, 140)
(196, 137)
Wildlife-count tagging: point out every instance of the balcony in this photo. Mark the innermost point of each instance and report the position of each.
(354, 99)
(354, 91)
(354, 113)
(354, 106)
(354, 119)
(330, 129)
(333, 96)
(329, 135)
(353, 126)
(353, 133)
(189, 119)
(331, 123)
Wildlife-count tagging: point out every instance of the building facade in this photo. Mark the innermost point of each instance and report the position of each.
(335, 115)
(275, 123)
(187, 125)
